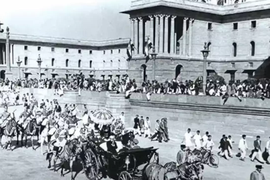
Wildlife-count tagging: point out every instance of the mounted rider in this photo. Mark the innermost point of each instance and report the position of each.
(26, 116)
(4, 118)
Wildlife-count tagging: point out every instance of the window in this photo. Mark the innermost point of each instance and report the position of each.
(111, 63)
(52, 49)
(79, 63)
(235, 26)
(232, 76)
(66, 50)
(90, 64)
(251, 64)
(52, 61)
(39, 48)
(25, 61)
(90, 52)
(119, 51)
(233, 65)
(252, 43)
(103, 63)
(67, 63)
(103, 52)
(209, 26)
(111, 51)
(25, 47)
(234, 49)
(79, 51)
(103, 77)
(253, 24)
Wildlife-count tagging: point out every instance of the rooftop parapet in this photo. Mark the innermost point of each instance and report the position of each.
(53, 40)
(208, 7)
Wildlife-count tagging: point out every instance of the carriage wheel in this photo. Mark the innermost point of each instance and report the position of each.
(91, 168)
(214, 160)
(124, 175)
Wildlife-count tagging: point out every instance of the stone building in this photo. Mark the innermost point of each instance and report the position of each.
(63, 57)
(237, 34)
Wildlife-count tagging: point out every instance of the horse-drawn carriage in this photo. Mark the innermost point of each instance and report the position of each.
(127, 164)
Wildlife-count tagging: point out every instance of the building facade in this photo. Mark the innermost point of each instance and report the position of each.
(237, 34)
(64, 57)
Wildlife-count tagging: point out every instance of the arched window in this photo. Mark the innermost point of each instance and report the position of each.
(234, 49)
(67, 63)
(52, 62)
(252, 43)
(79, 63)
(25, 61)
(90, 64)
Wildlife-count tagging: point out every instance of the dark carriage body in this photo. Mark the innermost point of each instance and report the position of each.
(128, 163)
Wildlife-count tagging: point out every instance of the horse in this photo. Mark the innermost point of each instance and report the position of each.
(190, 171)
(69, 154)
(30, 129)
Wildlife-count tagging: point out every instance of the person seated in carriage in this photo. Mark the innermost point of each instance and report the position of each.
(106, 131)
(112, 146)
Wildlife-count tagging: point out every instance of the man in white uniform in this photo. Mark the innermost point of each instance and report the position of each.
(243, 147)
(197, 140)
(188, 137)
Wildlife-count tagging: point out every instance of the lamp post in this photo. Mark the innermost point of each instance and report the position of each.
(205, 53)
(19, 62)
(39, 61)
(154, 56)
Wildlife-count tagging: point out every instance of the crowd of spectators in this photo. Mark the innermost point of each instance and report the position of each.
(251, 88)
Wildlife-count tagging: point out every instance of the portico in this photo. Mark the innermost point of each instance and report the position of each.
(165, 31)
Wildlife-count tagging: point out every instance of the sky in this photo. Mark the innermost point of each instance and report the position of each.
(74, 19)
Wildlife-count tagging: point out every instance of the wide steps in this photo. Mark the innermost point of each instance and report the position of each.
(205, 108)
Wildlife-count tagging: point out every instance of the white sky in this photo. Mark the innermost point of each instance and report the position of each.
(77, 19)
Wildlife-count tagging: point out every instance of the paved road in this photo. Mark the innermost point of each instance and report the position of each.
(27, 164)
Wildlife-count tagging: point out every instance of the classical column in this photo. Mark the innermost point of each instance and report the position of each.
(166, 34)
(136, 35)
(161, 35)
(151, 29)
(190, 36)
(175, 42)
(156, 33)
(172, 45)
(184, 35)
(8, 73)
(141, 40)
(132, 30)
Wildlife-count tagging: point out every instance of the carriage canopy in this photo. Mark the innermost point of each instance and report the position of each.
(102, 116)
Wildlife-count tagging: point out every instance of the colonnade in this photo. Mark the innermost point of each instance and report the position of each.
(162, 32)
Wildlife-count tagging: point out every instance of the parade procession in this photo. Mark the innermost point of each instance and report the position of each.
(97, 140)
(135, 90)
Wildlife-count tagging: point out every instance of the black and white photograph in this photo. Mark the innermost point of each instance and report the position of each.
(135, 90)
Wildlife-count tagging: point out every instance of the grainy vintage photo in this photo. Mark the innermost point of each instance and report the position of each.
(135, 90)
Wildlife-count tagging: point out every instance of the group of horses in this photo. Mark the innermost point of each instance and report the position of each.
(24, 129)
(91, 157)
